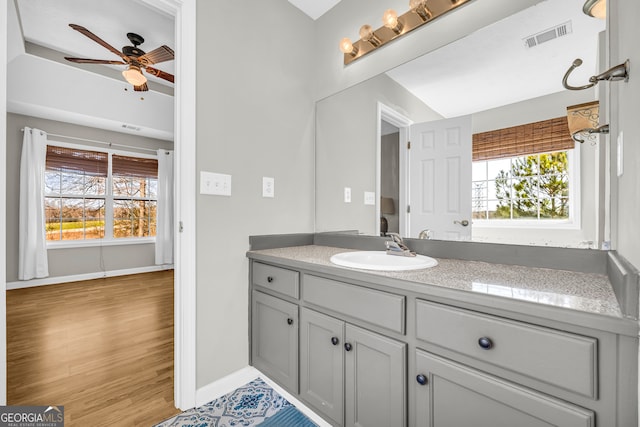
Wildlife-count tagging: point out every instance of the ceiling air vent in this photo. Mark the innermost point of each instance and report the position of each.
(547, 35)
(131, 127)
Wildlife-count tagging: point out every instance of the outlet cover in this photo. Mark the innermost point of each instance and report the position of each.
(369, 198)
(268, 187)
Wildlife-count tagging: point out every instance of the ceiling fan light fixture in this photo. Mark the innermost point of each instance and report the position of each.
(134, 75)
(595, 8)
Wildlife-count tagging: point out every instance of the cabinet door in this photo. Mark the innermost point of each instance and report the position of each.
(455, 395)
(274, 339)
(375, 372)
(322, 363)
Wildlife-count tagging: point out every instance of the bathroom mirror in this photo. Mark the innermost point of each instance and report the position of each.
(504, 75)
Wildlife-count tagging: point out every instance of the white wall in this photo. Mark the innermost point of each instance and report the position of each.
(538, 109)
(3, 161)
(64, 262)
(255, 118)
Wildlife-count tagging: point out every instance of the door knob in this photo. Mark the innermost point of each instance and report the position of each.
(462, 222)
(347, 346)
(289, 321)
(485, 343)
(421, 379)
(335, 340)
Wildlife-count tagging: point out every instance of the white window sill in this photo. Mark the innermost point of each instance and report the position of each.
(99, 242)
(536, 225)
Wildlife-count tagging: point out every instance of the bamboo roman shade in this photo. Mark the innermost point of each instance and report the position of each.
(532, 138)
(93, 163)
(135, 167)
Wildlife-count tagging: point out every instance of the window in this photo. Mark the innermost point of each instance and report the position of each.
(93, 195)
(533, 187)
(525, 173)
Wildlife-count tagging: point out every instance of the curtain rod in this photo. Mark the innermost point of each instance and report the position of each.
(110, 144)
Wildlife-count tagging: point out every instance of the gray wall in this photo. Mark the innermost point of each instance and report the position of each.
(625, 106)
(69, 261)
(346, 155)
(255, 118)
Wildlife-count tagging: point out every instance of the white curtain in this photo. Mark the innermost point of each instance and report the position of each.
(164, 225)
(33, 244)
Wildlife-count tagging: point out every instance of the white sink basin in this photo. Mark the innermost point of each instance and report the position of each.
(380, 261)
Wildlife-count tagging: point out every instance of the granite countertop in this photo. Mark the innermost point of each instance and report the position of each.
(586, 292)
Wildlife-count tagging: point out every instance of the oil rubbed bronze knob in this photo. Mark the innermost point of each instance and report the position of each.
(485, 343)
(335, 340)
(347, 346)
(289, 321)
(421, 379)
(269, 279)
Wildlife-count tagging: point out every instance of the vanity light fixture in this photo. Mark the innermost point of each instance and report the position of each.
(595, 8)
(395, 25)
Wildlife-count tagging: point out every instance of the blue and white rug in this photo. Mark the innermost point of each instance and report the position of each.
(250, 405)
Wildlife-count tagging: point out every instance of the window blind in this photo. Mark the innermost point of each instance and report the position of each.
(532, 138)
(135, 167)
(93, 163)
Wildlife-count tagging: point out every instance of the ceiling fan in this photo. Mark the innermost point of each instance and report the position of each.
(136, 59)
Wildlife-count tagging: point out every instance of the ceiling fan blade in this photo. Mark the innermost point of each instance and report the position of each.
(159, 73)
(142, 88)
(93, 61)
(161, 54)
(101, 42)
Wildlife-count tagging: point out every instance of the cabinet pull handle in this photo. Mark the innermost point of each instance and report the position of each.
(347, 346)
(422, 379)
(289, 321)
(270, 279)
(485, 343)
(335, 340)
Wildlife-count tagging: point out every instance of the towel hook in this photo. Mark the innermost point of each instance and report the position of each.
(619, 72)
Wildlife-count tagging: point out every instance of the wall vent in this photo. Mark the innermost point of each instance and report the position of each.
(131, 127)
(547, 35)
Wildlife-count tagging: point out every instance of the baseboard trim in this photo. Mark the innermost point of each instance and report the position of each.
(239, 378)
(225, 385)
(87, 276)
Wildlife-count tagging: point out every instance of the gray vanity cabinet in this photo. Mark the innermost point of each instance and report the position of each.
(449, 394)
(336, 356)
(274, 339)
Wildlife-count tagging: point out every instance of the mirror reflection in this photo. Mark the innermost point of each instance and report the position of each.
(486, 160)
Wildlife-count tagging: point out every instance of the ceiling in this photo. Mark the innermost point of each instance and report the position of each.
(492, 67)
(46, 23)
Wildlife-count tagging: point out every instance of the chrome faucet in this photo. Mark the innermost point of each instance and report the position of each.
(425, 234)
(396, 246)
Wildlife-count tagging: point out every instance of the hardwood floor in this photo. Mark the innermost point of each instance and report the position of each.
(102, 348)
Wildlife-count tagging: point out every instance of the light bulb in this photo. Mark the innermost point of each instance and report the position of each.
(347, 47)
(416, 3)
(421, 9)
(367, 34)
(134, 76)
(390, 19)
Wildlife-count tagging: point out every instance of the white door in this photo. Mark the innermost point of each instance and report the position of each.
(440, 179)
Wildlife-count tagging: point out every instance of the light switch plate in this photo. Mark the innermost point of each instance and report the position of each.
(369, 198)
(216, 184)
(347, 194)
(268, 187)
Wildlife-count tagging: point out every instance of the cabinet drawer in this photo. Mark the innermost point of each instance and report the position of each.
(277, 279)
(372, 306)
(558, 358)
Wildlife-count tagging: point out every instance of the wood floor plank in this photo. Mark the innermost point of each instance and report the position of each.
(102, 348)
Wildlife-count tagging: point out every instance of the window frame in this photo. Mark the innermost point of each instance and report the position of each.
(109, 239)
(575, 213)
